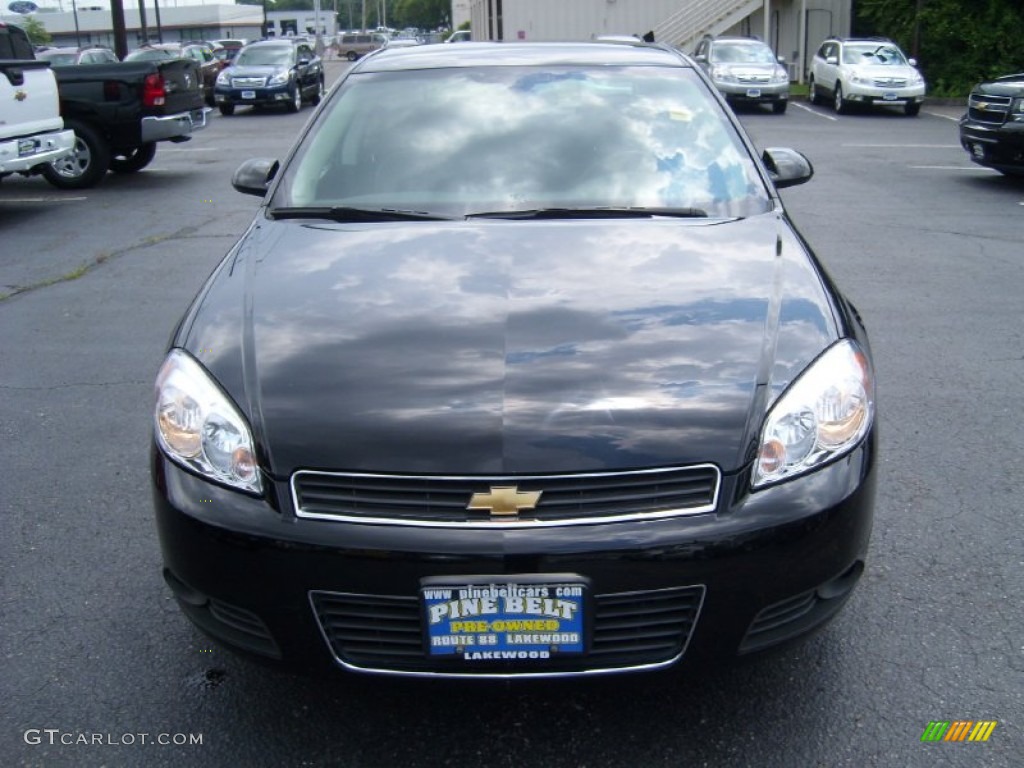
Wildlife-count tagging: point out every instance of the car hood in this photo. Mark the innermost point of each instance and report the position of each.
(1008, 85)
(255, 71)
(509, 346)
(885, 72)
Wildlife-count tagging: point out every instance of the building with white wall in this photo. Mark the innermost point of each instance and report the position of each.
(794, 28)
(89, 25)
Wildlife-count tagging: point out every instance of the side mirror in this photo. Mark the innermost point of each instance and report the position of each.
(253, 177)
(833, 60)
(782, 59)
(912, 62)
(304, 61)
(701, 57)
(786, 167)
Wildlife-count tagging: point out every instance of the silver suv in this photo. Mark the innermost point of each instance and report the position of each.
(865, 71)
(745, 70)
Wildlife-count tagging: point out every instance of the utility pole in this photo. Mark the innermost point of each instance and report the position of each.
(142, 22)
(117, 26)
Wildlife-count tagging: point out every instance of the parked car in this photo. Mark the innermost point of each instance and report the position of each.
(353, 45)
(590, 405)
(271, 72)
(460, 36)
(120, 111)
(868, 72)
(745, 70)
(992, 129)
(83, 120)
(209, 65)
(62, 57)
(401, 42)
(228, 48)
(32, 132)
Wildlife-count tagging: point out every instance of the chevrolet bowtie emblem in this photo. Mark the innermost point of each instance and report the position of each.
(504, 500)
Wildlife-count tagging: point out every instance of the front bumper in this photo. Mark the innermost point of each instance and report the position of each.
(25, 153)
(271, 94)
(763, 569)
(994, 146)
(171, 127)
(753, 93)
(891, 97)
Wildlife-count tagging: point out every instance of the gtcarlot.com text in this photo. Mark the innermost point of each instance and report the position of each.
(56, 736)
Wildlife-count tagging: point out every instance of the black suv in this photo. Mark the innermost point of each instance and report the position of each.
(992, 131)
(271, 72)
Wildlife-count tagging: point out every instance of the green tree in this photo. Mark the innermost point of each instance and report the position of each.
(956, 42)
(35, 30)
(425, 14)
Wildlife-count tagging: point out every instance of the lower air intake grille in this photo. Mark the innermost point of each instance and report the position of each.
(630, 629)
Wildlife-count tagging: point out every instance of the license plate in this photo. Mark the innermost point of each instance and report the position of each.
(890, 96)
(248, 94)
(504, 618)
(27, 147)
(753, 93)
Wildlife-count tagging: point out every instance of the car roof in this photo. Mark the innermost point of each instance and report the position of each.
(278, 43)
(738, 39)
(521, 54)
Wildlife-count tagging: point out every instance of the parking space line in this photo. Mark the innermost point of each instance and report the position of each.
(40, 199)
(953, 168)
(815, 112)
(939, 114)
(902, 146)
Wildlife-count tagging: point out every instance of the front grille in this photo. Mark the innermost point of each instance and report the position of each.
(989, 109)
(757, 79)
(565, 499)
(248, 82)
(890, 82)
(630, 629)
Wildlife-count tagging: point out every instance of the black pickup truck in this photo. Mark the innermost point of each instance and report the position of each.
(992, 131)
(119, 111)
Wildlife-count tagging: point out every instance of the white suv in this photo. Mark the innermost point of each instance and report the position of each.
(865, 71)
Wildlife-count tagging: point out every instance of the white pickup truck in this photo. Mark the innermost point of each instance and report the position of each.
(32, 132)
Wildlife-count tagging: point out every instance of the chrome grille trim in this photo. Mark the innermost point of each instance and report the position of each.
(392, 644)
(989, 109)
(248, 82)
(420, 500)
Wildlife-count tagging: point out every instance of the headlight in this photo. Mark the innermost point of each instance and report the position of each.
(724, 74)
(861, 80)
(916, 79)
(1017, 108)
(822, 415)
(281, 78)
(780, 76)
(223, 78)
(198, 427)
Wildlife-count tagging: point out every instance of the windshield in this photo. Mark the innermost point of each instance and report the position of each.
(464, 141)
(278, 56)
(151, 54)
(58, 59)
(874, 54)
(742, 53)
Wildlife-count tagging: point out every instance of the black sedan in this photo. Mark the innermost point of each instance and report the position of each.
(269, 73)
(588, 405)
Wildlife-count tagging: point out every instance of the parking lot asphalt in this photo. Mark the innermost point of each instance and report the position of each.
(94, 652)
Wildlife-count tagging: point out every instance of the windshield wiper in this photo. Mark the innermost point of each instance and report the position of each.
(593, 213)
(343, 213)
